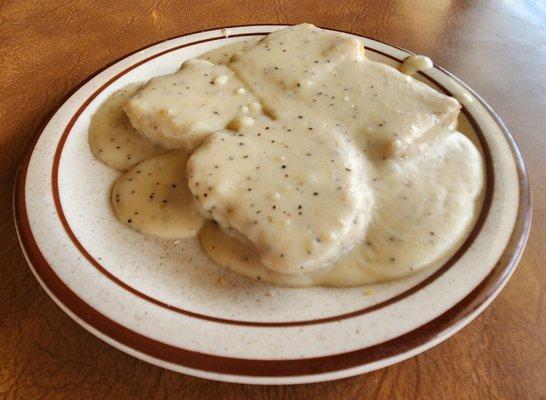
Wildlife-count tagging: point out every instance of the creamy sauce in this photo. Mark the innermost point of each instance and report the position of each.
(464, 98)
(112, 138)
(319, 166)
(299, 194)
(223, 54)
(153, 198)
(414, 64)
(181, 109)
(303, 69)
(425, 206)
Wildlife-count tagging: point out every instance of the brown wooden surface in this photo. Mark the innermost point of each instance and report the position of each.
(47, 47)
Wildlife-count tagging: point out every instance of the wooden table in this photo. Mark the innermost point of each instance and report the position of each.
(48, 47)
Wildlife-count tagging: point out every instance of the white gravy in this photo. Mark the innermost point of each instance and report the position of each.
(304, 68)
(464, 98)
(223, 54)
(424, 208)
(356, 169)
(112, 138)
(299, 194)
(414, 64)
(181, 109)
(153, 198)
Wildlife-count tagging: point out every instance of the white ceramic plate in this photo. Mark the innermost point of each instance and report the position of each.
(162, 302)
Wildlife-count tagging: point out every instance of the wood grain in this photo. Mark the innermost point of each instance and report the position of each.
(47, 47)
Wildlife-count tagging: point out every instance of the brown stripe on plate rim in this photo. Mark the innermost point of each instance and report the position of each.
(439, 272)
(441, 327)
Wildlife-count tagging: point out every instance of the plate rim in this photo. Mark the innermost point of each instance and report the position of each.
(443, 325)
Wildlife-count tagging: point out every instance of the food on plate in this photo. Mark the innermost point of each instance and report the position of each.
(299, 197)
(181, 109)
(295, 160)
(424, 206)
(112, 138)
(153, 198)
(383, 109)
(223, 54)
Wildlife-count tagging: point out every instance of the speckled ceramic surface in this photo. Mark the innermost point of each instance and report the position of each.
(164, 301)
